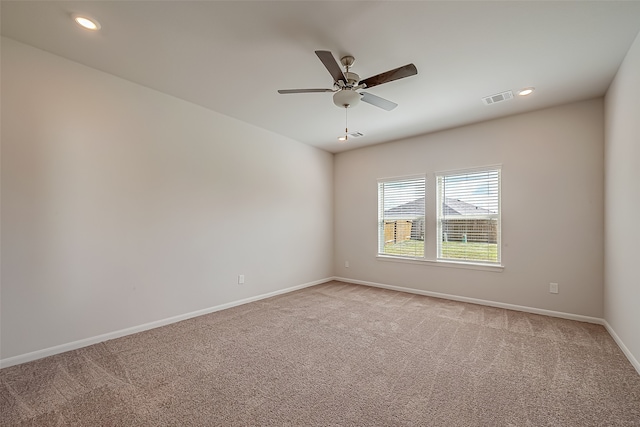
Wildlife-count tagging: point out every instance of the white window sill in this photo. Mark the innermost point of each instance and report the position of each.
(443, 263)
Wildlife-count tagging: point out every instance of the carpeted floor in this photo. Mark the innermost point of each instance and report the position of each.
(336, 355)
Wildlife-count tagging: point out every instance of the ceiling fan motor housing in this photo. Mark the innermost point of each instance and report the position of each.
(346, 98)
(352, 79)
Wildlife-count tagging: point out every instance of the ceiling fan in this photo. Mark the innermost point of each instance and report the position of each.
(347, 84)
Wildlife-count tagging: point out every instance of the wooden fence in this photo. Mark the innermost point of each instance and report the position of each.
(401, 230)
(470, 230)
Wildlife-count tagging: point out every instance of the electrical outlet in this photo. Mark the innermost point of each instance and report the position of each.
(241, 279)
(553, 288)
(346, 264)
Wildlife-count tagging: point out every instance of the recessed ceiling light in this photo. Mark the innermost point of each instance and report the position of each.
(87, 23)
(526, 91)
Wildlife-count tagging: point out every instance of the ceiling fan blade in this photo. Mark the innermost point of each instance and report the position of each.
(331, 65)
(285, 91)
(385, 104)
(389, 76)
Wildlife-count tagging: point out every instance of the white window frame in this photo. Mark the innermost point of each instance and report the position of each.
(439, 216)
(381, 218)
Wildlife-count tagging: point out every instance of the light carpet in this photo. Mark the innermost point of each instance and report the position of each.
(336, 354)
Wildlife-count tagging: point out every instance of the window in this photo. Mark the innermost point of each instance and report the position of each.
(401, 217)
(468, 216)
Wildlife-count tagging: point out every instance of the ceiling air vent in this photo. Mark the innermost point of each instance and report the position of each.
(355, 134)
(499, 97)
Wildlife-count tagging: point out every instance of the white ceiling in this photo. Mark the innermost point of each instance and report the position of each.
(233, 56)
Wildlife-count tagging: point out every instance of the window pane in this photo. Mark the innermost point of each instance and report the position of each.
(401, 217)
(469, 216)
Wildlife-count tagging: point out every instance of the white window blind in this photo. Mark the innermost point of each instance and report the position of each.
(401, 229)
(468, 216)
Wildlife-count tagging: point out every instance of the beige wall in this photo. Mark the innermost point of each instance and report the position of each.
(622, 207)
(552, 208)
(122, 205)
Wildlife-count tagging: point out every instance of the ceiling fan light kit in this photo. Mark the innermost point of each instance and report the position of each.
(347, 84)
(346, 98)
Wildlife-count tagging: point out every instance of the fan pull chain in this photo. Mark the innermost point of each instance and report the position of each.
(346, 126)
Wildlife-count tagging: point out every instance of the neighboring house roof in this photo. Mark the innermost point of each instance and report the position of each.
(458, 207)
(408, 210)
(415, 209)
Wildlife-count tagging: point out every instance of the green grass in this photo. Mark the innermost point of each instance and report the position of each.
(484, 252)
(412, 248)
(487, 252)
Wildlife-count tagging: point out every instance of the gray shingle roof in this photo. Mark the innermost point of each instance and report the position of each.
(458, 207)
(408, 210)
(415, 209)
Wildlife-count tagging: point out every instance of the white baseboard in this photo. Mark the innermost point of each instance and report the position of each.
(39, 354)
(28, 357)
(525, 309)
(623, 347)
